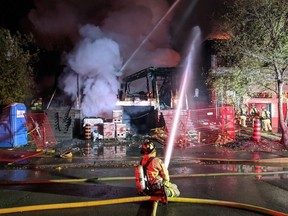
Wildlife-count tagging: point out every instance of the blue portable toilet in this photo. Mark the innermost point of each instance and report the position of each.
(13, 130)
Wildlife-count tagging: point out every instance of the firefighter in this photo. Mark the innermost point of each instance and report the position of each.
(243, 116)
(157, 173)
(254, 113)
(265, 118)
(37, 105)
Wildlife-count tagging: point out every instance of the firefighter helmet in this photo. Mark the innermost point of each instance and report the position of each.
(147, 147)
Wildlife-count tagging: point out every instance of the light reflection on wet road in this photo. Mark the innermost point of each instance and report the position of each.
(269, 191)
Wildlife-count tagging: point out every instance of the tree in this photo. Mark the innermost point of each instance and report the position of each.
(257, 50)
(17, 55)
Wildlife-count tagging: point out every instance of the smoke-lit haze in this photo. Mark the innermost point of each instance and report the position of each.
(102, 43)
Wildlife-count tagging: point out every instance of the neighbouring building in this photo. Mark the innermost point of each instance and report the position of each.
(268, 99)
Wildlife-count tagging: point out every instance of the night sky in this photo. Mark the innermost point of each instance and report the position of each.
(14, 15)
(123, 24)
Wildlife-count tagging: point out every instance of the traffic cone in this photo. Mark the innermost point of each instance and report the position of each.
(257, 129)
(88, 132)
(258, 169)
(87, 149)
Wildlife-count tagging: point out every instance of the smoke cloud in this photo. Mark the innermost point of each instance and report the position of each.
(103, 42)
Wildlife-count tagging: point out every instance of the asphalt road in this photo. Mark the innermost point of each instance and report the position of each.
(26, 187)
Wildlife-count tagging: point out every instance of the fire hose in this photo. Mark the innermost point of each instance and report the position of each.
(141, 199)
(79, 180)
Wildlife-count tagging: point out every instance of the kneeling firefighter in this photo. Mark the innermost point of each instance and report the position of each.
(154, 177)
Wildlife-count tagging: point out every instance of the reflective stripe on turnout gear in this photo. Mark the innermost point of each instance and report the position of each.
(156, 170)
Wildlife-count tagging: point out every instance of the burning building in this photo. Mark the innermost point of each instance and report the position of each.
(146, 92)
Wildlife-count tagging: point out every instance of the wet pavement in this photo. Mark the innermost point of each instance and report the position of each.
(201, 171)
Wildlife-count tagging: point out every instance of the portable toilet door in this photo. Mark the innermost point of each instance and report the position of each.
(13, 130)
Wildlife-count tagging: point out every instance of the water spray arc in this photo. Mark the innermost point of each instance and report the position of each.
(148, 35)
(188, 66)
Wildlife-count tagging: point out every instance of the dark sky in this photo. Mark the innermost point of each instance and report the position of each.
(65, 30)
(14, 14)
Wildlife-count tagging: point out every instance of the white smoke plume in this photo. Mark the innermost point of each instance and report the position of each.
(96, 60)
(104, 44)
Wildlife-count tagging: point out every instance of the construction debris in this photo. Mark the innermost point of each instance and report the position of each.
(223, 139)
(160, 135)
(67, 154)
